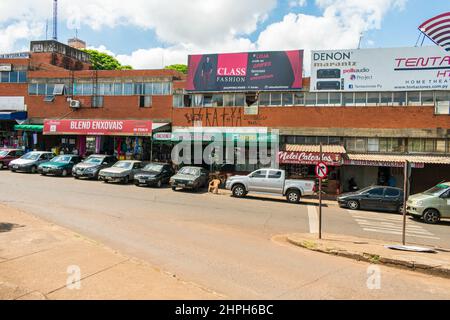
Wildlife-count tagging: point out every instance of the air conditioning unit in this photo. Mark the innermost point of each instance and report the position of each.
(75, 104)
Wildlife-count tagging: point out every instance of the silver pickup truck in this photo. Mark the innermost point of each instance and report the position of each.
(270, 181)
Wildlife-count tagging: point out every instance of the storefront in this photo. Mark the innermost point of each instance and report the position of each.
(126, 139)
(299, 161)
(8, 136)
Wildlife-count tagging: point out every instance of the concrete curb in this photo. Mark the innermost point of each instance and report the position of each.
(404, 260)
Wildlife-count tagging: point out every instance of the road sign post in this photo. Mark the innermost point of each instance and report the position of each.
(407, 172)
(321, 173)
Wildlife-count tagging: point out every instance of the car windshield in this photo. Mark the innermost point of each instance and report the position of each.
(63, 159)
(123, 165)
(3, 153)
(153, 167)
(31, 156)
(365, 190)
(190, 171)
(94, 160)
(437, 190)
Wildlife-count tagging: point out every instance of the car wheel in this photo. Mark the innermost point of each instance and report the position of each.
(1, 166)
(293, 196)
(159, 184)
(126, 180)
(239, 191)
(431, 216)
(174, 188)
(33, 169)
(77, 178)
(64, 173)
(353, 204)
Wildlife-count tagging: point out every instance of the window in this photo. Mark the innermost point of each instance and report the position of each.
(32, 89)
(335, 98)
(392, 145)
(128, 89)
(334, 140)
(197, 100)
(166, 88)
(4, 76)
(427, 98)
(386, 98)
(264, 99)
(217, 100)
(58, 90)
(250, 99)
(49, 98)
(421, 145)
(23, 77)
(50, 89)
(322, 98)
(310, 140)
(239, 100)
(88, 89)
(373, 145)
(414, 98)
(207, 100)
(178, 100)
(440, 145)
(117, 89)
(356, 144)
(41, 89)
(97, 102)
(377, 192)
(288, 99)
(108, 89)
(138, 88)
(157, 88)
(299, 99)
(310, 99)
(145, 101)
(399, 98)
(442, 96)
(373, 97)
(392, 193)
(275, 174)
(348, 98)
(260, 174)
(228, 100)
(275, 99)
(360, 98)
(13, 77)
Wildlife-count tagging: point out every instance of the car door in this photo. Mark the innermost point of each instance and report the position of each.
(274, 182)
(257, 181)
(391, 200)
(136, 167)
(166, 174)
(372, 198)
(444, 204)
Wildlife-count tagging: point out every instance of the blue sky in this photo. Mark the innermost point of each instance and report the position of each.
(148, 34)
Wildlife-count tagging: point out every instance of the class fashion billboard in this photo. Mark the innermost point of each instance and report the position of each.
(247, 71)
(389, 69)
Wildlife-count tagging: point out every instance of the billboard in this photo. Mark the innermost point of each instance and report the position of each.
(250, 71)
(98, 127)
(388, 69)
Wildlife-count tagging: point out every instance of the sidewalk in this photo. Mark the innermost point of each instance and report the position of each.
(35, 256)
(374, 251)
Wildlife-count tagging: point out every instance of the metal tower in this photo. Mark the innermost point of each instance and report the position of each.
(55, 20)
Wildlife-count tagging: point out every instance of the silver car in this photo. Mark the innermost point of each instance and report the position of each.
(30, 161)
(122, 171)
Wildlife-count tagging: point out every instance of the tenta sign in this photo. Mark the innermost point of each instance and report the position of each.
(321, 170)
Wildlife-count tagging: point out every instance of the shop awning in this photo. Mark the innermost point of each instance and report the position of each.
(315, 148)
(393, 160)
(13, 115)
(29, 127)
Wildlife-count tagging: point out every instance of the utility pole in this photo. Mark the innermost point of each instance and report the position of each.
(55, 20)
(407, 171)
(320, 196)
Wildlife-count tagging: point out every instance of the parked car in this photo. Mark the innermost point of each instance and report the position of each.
(270, 181)
(376, 198)
(122, 171)
(192, 178)
(8, 155)
(30, 161)
(431, 205)
(59, 166)
(154, 174)
(91, 167)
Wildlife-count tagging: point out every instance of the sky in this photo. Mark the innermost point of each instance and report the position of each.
(150, 34)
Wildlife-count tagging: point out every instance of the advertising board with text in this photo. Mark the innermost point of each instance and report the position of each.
(248, 71)
(387, 69)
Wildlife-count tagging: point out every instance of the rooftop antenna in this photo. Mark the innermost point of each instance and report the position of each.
(55, 20)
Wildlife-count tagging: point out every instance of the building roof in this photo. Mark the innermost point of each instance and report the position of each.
(399, 158)
(315, 148)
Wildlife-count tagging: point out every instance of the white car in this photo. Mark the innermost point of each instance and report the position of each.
(122, 171)
(30, 161)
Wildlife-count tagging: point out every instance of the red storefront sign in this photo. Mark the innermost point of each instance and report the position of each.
(309, 158)
(98, 127)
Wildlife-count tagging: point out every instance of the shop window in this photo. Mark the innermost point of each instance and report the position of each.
(97, 102)
(373, 98)
(373, 145)
(361, 98)
(299, 99)
(288, 99)
(264, 99)
(427, 98)
(386, 98)
(58, 90)
(228, 100)
(348, 99)
(310, 99)
(413, 98)
(128, 89)
(322, 98)
(239, 100)
(145, 101)
(117, 89)
(275, 99)
(335, 98)
(399, 98)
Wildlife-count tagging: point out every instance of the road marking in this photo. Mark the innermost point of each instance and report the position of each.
(379, 223)
(313, 220)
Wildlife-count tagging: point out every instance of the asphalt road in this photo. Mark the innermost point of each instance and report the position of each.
(234, 247)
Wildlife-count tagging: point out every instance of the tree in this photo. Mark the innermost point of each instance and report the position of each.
(104, 61)
(178, 67)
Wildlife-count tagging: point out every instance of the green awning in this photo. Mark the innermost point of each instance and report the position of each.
(29, 127)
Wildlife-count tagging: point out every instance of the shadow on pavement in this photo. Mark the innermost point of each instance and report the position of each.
(7, 227)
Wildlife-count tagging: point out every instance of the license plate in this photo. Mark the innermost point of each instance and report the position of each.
(141, 181)
(16, 167)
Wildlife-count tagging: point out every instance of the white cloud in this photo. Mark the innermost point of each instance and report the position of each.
(297, 3)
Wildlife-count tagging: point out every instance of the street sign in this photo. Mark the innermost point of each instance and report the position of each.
(321, 170)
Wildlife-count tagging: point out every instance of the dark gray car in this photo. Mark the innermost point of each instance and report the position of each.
(90, 167)
(193, 178)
